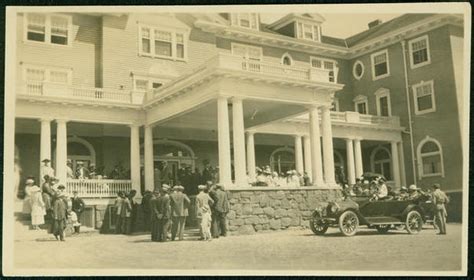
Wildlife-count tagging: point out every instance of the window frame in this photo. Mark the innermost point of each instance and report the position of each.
(289, 57)
(415, 97)
(47, 73)
(47, 31)
(410, 48)
(323, 60)
(354, 70)
(359, 99)
(335, 104)
(315, 31)
(420, 156)
(260, 49)
(235, 20)
(150, 80)
(372, 57)
(379, 94)
(174, 43)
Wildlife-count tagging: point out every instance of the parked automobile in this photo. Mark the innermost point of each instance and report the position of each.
(353, 212)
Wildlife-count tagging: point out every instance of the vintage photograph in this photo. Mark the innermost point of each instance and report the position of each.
(237, 140)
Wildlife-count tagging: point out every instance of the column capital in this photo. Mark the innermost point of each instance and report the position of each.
(236, 99)
(395, 142)
(298, 135)
(313, 106)
(223, 97)
(45, 119)
(250, 132)
(133, 125)
(62, 120)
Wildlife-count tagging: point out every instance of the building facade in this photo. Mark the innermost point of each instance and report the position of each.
(127, 92)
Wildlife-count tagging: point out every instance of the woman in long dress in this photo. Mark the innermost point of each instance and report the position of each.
(27, 199)
(38, 209)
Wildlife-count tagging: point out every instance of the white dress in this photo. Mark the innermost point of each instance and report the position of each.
(37, 207)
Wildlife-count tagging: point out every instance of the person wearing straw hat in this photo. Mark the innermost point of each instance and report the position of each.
(202, 199)
(82, 172)
(221, 207)
(37, 207)
(413, 192)
(46, 169)
(59, 215)
(27, 199)
(179, 211)
(154, 226)
(69, 171)
(440, 199)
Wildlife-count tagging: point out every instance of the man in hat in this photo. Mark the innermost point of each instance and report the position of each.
(46, 170)
(382, 190)
(69, 172)
(403, 193)
(163, 213)
(413, 192)
(59, 214)
(81, 172)
(165, 173)
(221, 207)
(154, 215)
(78, 205)
(179, 211)
(440, 199)
(202, 199)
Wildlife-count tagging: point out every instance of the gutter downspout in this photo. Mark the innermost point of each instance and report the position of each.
(407, 92)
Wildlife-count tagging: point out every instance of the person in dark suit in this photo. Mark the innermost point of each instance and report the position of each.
(78, 205)
(59, 216)
(154, 215)
(163, 211)
(221, 208)
(179, 211)
(126, 215)
(165, 173)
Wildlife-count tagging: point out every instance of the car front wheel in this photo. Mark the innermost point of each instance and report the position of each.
(348, 223)
(414, 222)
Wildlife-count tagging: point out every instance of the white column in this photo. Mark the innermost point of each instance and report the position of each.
(251, 154)
(61, 151)
(395, 164)
(328, 152)
(401, 158)
(223, 141)
(45, 143)
(350, 161)
(135, 158)
(316, 162)
(148, 159)
(307, 156)
(299, 154)
(238, 133)
(359, 168)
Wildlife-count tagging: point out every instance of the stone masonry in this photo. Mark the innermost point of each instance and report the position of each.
(262, 209)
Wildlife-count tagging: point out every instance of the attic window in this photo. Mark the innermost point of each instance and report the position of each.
(308, 31)
(245, 20)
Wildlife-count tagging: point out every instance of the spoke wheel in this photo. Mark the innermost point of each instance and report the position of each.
(317, 226)
(414, 222)
(348, 223)
(383, 228)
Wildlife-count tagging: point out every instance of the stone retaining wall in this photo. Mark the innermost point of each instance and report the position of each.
(261, 209)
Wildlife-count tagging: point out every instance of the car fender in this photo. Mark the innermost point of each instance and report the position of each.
(362, 220)
(411, 207)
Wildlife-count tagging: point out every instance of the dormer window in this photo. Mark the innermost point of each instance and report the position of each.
(245, 20)
(308, 31)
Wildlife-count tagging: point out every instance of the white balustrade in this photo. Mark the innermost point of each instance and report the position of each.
(355, 117)
(97, 188)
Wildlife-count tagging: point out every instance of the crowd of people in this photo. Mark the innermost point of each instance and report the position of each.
(265, 177)
(166, 210)
(50, 207)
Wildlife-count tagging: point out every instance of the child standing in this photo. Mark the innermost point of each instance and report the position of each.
(206, 222)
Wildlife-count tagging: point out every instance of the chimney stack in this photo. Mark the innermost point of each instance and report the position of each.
(374, 23)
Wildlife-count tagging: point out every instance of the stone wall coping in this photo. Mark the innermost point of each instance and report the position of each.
(282, 188)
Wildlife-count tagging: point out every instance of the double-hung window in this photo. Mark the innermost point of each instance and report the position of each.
(380, 65)
(382, 97)
(419, 52)
(37, 73)
(326, 64)
(245, 20)
(162, 43)
(430, 158)
(252, 56)
(48, 28)
(424, 98)
(361, 104)
(308, 31)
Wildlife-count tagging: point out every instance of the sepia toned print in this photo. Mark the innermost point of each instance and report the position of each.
(299, 140)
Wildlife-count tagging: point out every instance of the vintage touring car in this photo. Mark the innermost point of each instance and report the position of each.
(353, 212)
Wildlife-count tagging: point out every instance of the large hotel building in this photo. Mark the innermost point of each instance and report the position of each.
(127, 91)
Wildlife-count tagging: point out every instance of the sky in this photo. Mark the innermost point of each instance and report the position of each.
(340, 25)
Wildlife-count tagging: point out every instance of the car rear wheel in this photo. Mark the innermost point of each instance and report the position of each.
(383, 228)
(414, 222)
(316, 225)
(348, 223)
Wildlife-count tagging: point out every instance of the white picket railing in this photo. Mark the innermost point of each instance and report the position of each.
(95, 188)
(355, 117)
(102, 94)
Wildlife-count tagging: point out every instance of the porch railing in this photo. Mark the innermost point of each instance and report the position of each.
(94, 188)
(35, 88)
(355, 117)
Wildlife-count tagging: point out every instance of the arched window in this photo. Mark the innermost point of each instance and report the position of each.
(430, 158)
(286, 60)
(282, 159)
(381, 162)
(79, 149)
